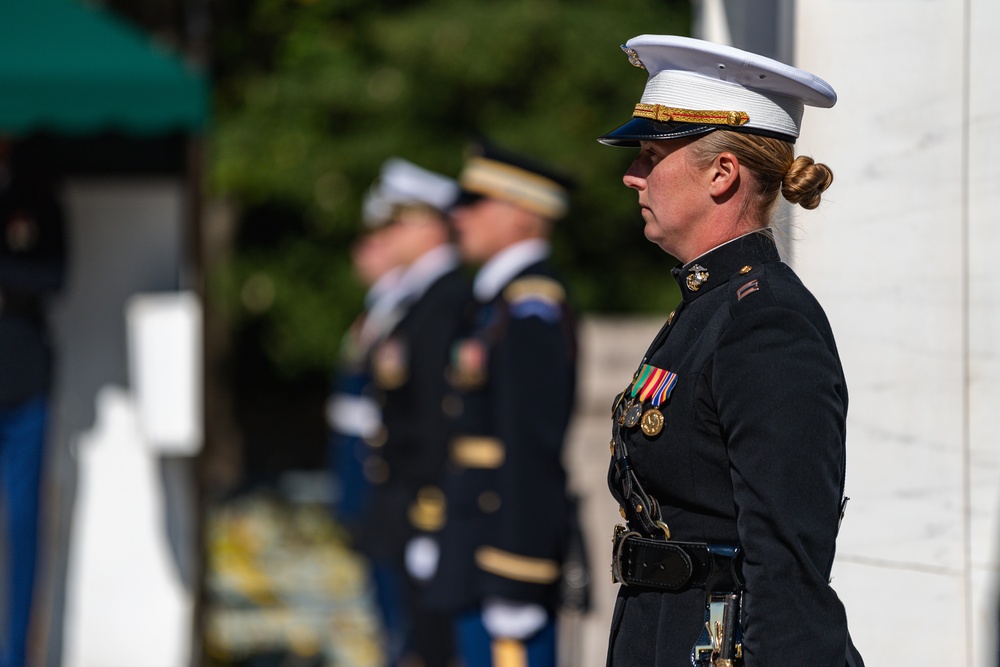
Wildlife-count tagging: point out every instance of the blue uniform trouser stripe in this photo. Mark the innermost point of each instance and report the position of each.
(476, 646)
(22, 438)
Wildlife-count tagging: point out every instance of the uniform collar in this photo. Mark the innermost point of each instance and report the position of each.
(385, 288)
(719, 264)
(502, 267)
(430, 266)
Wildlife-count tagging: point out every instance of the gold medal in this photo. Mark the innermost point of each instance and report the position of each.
(652, 422)
(633, 415)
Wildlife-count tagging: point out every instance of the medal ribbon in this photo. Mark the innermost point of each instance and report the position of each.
(654, 382)
(662, 392)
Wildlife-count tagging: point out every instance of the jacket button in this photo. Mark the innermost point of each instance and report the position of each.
(452, 406)
(489, 501)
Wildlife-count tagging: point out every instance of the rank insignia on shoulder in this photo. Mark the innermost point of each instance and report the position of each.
(390, 364)
(747, 289)
(467, 369)
(536, 296)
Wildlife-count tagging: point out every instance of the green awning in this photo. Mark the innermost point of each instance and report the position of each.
(70, 68)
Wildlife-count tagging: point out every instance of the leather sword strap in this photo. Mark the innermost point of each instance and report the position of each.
(641, 510)
(677, 566)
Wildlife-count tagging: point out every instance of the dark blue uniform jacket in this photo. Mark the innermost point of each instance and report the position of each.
(752, 452)
(408, 377)
(513, 379)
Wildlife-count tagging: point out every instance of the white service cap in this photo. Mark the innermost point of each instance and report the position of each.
(402, 183)
(695, 87)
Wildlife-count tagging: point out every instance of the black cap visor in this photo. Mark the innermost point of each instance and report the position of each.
(643, 129)
(465, 198)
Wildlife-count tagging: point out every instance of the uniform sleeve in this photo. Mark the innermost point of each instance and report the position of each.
(779, 393)
(532, 399)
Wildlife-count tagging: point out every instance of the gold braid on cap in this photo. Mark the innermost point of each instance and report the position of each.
(664, 114)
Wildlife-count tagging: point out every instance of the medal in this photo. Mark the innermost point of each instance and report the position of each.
(655, 385)
(468, 366)
(633, 415)
(652, 422)
(390, 367)
(618, 401)
(620, 411)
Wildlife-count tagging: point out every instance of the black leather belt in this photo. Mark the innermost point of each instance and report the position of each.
(675, 566)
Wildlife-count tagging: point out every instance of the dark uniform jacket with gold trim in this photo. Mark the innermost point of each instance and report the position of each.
(513, 377)
(407, 368)
(751, 452)
(32, 267)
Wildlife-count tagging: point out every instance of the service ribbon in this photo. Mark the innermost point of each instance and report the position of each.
(653, 382)
(641, 377)
(662, 392)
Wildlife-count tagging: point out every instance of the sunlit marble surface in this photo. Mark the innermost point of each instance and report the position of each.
(902, 255)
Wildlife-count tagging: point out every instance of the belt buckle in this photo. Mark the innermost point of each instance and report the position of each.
(618, 542)
(616, 567)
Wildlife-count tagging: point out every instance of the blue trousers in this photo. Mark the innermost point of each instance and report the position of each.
(478, 649)
(22, 438)
(390, 596)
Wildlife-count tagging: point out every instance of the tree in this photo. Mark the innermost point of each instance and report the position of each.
(313, 96)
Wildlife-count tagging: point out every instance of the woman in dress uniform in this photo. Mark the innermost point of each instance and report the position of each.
(728, 448)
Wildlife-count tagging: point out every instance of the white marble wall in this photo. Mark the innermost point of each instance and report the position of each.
(900, 253)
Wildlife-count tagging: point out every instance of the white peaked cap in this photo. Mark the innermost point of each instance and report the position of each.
(402, 183)
(696, 86)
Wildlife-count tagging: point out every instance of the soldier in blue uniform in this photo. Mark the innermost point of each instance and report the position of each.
(407, 451)
(353, 414)
(512, 376)
(728, 449)
(32, 268)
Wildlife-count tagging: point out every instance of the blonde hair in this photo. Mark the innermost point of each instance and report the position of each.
(774, 167)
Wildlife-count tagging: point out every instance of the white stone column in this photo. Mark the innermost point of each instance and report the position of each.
(900, 254)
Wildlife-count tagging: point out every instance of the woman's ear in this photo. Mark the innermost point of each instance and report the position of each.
(724, 174)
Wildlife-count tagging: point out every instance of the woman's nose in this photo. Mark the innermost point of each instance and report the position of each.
(632, 178)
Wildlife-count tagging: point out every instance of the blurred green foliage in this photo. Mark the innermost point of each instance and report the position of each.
(313, 95)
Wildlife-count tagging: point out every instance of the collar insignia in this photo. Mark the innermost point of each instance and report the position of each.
(698, 277)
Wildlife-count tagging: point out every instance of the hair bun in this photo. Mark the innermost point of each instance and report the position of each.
(805, 181)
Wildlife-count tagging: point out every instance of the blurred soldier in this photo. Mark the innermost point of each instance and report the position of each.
(353, 414)
(32, 267)
(512, 376)
(407, 369)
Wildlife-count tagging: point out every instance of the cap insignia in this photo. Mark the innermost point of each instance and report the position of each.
(665, 114)
(633, 57)
(697, 277)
